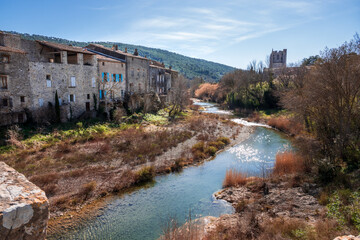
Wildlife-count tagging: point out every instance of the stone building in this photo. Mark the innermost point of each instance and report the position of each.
(278, 59)
(137, 67)
(15, 88)
(160, 78)
(112, 78)
(33, 71)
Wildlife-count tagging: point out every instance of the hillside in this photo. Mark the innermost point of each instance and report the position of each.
(189, 67)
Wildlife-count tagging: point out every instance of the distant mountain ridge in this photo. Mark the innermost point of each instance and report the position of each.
(189, 67)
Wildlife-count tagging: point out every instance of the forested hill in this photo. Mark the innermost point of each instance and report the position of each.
(189, 67)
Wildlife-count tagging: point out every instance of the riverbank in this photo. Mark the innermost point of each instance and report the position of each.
(81, 174)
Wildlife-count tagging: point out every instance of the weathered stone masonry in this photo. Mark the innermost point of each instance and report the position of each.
(24, 208)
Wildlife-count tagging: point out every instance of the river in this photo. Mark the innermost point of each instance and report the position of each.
(143, 213)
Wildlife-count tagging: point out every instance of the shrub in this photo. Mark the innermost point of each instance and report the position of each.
(225, 140)
(217, 144)
(198, 147)
(145, 174)
(42, 180)
(287, 163)
(344, 207)
(211, 150)
(234, 178)
(87, 188)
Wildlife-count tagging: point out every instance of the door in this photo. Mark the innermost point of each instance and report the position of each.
(87, 106)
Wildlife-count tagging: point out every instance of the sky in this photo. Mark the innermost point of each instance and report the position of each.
(232, 32)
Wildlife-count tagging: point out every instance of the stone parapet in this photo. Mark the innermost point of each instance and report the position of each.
(24, 208)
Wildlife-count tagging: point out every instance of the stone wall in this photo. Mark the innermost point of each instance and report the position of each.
(24, 208)
(278, 59)
(18, 88)
(137, 70)
(113, 67)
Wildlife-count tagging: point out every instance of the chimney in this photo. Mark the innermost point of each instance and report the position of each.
(126, 50)
(170, 67)
(136, 52)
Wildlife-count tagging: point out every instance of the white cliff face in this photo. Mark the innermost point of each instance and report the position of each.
(24, 208)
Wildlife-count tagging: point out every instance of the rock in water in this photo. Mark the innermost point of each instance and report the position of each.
(24, 208)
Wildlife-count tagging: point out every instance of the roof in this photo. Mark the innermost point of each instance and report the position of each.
(10, 49)
(63, 47)
(108, 59)
(118, 51)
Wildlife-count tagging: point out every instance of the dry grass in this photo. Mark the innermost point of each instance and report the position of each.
(288, 163)
(234, 178)
(286, 125)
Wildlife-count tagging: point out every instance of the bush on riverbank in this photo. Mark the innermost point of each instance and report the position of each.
(202, 149)
(288, 163)
(234, 178)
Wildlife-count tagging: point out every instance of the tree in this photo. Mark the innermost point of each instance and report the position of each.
(327, 98)
(178, 96)
(57, 107)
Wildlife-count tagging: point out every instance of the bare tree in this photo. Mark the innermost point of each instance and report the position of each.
(179, 96)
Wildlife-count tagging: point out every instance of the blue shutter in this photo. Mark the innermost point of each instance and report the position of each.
(121, 77)
(104, 93)
(102, 76)
(100, 93)
(108, 77)
(117, 77)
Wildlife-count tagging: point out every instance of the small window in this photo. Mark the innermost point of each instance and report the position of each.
(138, 72)
(103, 63)
(3, 82)
(5, 102)
(71, 98)
(132, 72)
(114, 77)
(22, 99)
(48, 81)
(93, 82)
(20, 118)
(72, 82)
(5, 58)
(122, 93)
(88, 96)
(41, 102)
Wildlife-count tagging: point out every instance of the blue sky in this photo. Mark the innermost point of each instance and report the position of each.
(232, 32)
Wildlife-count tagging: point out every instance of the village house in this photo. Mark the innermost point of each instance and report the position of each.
(137, 67)
(32, 73)
(36, 70)
(160, 78)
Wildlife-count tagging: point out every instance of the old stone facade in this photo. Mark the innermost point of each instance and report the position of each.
(160, 78)
(278, 59)
(32, 72)
(112, 81)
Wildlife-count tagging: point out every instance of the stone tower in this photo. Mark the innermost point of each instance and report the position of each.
(278, 59)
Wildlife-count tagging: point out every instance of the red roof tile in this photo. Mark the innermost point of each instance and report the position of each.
(10, 49)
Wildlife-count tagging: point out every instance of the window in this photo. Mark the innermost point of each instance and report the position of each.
(48, 81)
(3, 82)
(72, 82)
(5, 59)
(103, 63)
(114, 77)
(132, 72)
(88, 96)
(22, 99)
(121, 78)
(20, 118)
(139, 87)
(5, 102)
(93, 82)
(122, 93)
(41, 102)
(72, 98)
(138, 72)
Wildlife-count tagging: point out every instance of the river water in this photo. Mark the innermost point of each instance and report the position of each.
(143, 213)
